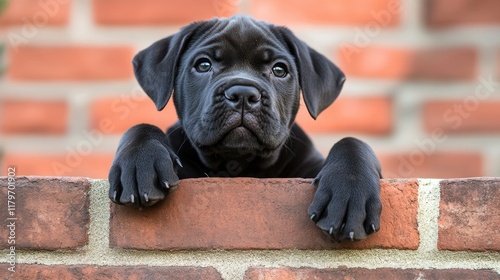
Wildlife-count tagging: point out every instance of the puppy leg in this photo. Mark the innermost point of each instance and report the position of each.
(347, 202)
(143, 171)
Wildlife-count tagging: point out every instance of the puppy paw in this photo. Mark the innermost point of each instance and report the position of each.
(143, 175)
(346, 206)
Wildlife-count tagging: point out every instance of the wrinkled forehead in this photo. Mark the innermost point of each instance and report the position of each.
(240, 34)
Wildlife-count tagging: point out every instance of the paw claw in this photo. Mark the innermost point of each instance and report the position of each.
(166, 185)
(313, 217)
(115, 194)
(132, 199)
(146, 198)
(330, 231)
(351, 235)
(178, 161)
(373, 228)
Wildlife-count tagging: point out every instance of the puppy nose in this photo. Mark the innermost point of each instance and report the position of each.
(247, 97)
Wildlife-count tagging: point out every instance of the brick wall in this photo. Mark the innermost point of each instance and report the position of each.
(423, 78)
(64, 228)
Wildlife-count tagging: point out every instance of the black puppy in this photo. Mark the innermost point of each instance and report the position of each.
(236, 87)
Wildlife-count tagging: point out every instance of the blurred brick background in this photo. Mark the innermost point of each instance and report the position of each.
(423, 83)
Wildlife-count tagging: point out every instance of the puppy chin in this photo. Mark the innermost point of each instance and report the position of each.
(244, 157)
(240, 138)
(239, 144)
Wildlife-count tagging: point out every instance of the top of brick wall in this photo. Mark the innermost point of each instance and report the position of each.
(247, 213)
(241, 213)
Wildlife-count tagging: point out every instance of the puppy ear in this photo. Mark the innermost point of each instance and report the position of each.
(320, 80)
(155, 67)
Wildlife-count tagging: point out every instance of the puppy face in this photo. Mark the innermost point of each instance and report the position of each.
(237, 90)
(237, 85)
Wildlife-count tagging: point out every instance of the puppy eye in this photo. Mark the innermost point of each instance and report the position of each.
(203, 66)
(279, 70)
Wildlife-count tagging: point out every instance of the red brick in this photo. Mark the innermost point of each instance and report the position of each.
(469, 115)
(379, 13)
(70, 63)
(160, 12)
(498, 65)
(36, 14)
(449, 13)
(369, 115)
(77, 272)
(220, 213)
(398, 63)
(257, 273)
(72, 163)
(52, 213)
(117, 114)
(33, 117)
(421, 164)
(469, 215)
(375, 62)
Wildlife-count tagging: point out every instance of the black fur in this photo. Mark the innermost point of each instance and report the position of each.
(236, 87)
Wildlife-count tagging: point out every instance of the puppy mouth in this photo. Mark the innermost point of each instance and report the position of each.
(237, 140)
(240, 137)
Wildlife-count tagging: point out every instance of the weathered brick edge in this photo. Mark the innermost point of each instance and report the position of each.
(245, 213)
(48, 213)
(470, 215)
(35, 271)
(257, 273)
